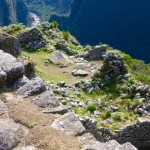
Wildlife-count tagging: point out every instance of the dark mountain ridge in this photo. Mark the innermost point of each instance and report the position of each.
(13, 11)
(122, 24)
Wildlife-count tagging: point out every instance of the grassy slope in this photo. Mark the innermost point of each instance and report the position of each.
(109, 97)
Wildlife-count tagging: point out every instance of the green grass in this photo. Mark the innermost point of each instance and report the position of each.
(52, 72)
(138, 68)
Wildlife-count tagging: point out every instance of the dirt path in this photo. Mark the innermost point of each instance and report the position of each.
(38, 130)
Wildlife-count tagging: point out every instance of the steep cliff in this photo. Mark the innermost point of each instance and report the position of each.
(45, 8)
(122, 24)
(13, 11)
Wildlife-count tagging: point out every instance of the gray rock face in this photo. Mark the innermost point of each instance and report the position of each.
(45, 99)
(20, 82)
(10, 134)
(127, 146)
(61, 109)
(80, 73)
(110, 145)
(59, 58)
(33, 87)
(87, 138)
(25, 148)
(93, 146)
(96, 52)
(3, 77)
(10, 44)
(70, 124)
(3, 110)
(12, 67)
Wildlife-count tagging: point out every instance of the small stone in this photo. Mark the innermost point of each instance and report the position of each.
(80, 73)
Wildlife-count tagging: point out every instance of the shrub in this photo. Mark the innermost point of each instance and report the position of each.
(137, 102)
(66, 35)
(91, 108)
(106, 114)
(54, 24)
(131, 80)
(118, 116)
(128, 102)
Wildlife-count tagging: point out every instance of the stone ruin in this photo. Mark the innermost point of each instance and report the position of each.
(32, 38)
(96, 52)
(113, 65)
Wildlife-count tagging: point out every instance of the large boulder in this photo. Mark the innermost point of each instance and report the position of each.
(9, 44)
(59, 58)
(3, 110)
(10, 134)
(96, 52)
(110, 145)
(20, 82)
(127, 146)
(45, 99)
(11, 67)
(70, 124)
(33, 87)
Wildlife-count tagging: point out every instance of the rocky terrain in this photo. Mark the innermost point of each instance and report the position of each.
(57, 94)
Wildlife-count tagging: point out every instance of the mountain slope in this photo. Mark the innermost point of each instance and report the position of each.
(13, 11)
(121, 24)
(45, 8)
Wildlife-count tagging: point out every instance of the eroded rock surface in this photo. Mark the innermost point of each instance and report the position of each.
(96, 52)
(12, 68)
(70, 124)
(33, 87)
(10, 134)
(45, 99)
(59, 58)
(10, 44)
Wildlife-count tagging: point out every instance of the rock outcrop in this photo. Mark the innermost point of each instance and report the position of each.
(70, 124)
(97, 52)
(33, 87)
(10, 134)
(45, 99)
(3, 110)
(59, 58)
(10, 44)
(110, 145)
(11, 68)
(20, 82)
(31, 38)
